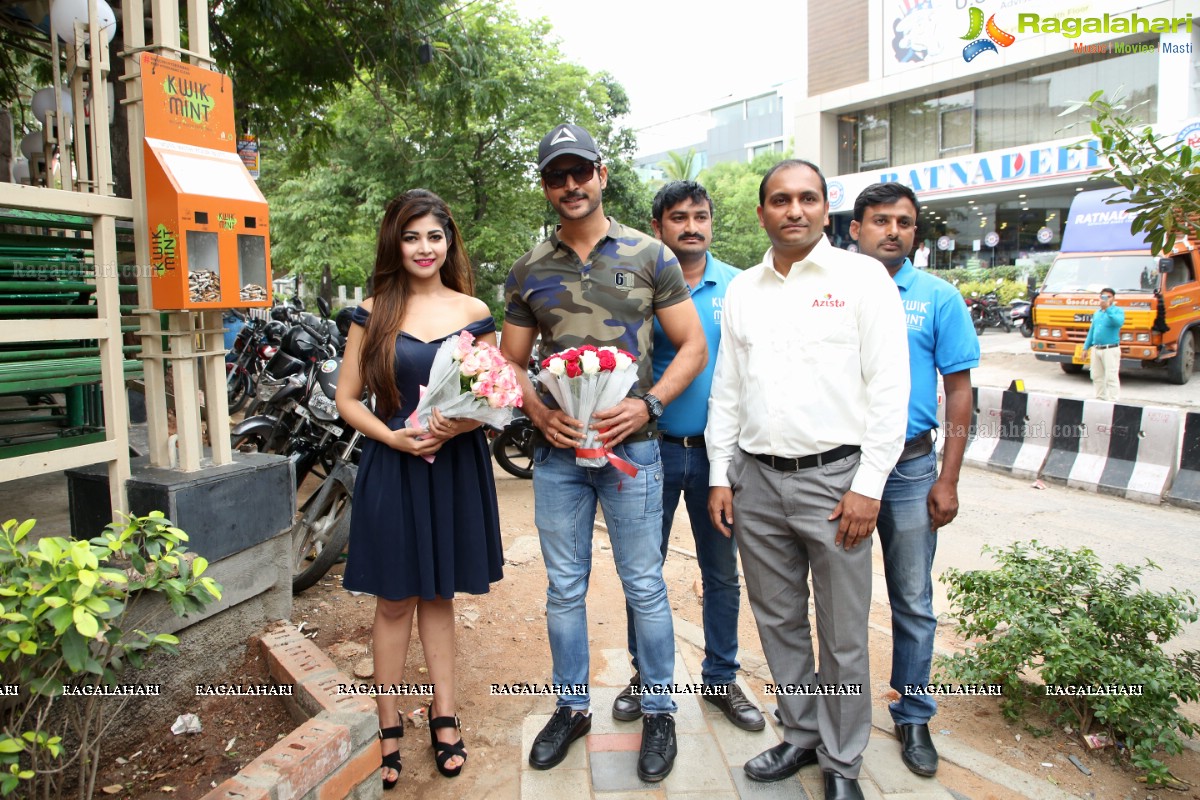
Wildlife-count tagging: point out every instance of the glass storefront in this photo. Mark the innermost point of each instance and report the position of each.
(1010, 111)
(1027, 224)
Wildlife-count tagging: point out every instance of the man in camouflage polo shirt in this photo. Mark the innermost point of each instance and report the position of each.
(596, 281)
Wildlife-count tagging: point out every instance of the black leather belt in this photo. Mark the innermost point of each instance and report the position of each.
(685, 441)
(917, 446)
(1104, 346)
(807, 462)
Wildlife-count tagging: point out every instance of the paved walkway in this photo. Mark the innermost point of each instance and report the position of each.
(603, 765)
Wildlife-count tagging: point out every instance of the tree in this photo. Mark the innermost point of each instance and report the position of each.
(738, 239)
(680, 168)
(1159, 173)
(482, 161)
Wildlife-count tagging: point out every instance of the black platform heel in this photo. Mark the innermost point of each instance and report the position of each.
(443, 752)
(392, 760)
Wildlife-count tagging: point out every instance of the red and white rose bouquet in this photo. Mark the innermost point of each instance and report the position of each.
(468, 380)
(584, 380)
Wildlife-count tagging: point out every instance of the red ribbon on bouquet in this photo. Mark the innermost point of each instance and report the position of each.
(613, 458)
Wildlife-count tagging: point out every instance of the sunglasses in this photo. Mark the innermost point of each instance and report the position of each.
(557, 178)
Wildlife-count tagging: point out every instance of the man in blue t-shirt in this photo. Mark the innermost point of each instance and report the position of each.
(682, 220)
(917, 501)
(1104, 340)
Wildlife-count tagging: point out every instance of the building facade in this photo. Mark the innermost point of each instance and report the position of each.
(737, 128)
(972, 104)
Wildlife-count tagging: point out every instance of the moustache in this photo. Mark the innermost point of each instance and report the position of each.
(691, 238)
(575, 196)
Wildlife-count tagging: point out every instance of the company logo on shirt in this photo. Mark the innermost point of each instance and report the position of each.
(915, 312)
(828, 301)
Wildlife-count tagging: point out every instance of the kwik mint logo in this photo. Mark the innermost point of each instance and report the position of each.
(188, 99)
(979, 45)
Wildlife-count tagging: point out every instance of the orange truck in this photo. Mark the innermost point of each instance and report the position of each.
(1159, 292)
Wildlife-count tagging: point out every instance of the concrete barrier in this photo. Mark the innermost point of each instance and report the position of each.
(1011, 431)
(1185, 489)
(1113, 448)
(1144, 460)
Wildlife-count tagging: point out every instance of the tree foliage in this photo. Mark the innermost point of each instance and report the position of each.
(385, 139)
(738, 239)
(681, 167)
(1160, 173)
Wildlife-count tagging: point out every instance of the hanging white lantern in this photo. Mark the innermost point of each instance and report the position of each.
(44, 103)
(21, 170)
(33, 144)
(63, 14)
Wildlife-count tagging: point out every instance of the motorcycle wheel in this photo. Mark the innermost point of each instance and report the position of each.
(513, 450)
(321, 533)
(978, 327)
(1007, 326)
(237, 383)
(1027, 329)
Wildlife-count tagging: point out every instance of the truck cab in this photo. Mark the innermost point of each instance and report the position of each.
(1159, 292)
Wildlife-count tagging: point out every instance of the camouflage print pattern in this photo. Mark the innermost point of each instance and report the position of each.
(611, 300)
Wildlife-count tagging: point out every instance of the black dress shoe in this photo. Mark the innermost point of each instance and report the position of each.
(917, 750)
(657, 754)
(550, 746)
(781, 761)
(839, 788)
(627, 706)
(736, 707)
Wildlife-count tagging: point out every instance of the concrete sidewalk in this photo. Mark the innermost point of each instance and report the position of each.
(603, 765)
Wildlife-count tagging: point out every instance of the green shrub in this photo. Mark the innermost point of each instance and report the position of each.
(1058, 615)
(67, 627)
(1007, 290)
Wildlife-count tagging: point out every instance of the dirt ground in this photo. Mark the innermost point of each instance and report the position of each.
(502, 638)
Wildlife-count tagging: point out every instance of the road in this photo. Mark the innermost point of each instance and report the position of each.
(1007, 356)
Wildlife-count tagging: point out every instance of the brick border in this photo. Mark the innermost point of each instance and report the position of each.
(334, 753)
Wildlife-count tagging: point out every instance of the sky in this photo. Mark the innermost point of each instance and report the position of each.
(672, 57)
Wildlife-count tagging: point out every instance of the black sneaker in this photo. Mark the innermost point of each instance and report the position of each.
(657, 754)
(550, 746)
(627, 706)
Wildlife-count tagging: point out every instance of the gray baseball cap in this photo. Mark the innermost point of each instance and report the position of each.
(566, 140)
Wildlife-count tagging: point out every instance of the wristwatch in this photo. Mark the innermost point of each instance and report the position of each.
(653, 405)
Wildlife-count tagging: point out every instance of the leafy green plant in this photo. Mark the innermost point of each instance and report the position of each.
(1007, 291)
(68, 629)
(1058, 616)
(1161, 174)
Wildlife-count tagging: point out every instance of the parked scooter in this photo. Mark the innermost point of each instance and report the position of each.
(1022, 317)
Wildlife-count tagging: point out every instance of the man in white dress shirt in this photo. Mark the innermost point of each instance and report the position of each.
(806, 420)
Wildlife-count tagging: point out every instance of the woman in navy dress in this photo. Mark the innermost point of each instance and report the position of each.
(419, 531)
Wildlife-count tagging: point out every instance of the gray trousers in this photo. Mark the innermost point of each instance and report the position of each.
(782, 529)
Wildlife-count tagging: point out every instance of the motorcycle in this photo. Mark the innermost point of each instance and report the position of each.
(298, 415)
(257, 341)
(1022, 317)
(513, 447)
(322, 529)
(986, 312)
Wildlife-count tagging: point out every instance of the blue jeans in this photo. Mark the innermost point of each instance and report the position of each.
(908, 548)
(685, 470)
(565, 497)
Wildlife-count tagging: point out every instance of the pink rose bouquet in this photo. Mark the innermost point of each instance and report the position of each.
(468, 380)
(587, 379)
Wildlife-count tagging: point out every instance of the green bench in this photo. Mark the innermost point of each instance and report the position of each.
(44, 275)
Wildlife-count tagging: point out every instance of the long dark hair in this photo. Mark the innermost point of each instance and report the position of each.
(390, 289)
